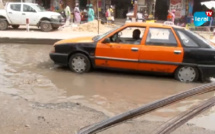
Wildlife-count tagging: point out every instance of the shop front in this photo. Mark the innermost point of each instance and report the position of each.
(122, 7)
(183, 8)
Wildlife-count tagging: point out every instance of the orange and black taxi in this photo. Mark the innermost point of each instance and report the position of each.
(142, 47)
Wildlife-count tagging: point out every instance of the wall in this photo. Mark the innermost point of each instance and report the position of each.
(141, 2)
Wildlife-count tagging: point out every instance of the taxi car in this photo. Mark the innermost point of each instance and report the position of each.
(142, 47)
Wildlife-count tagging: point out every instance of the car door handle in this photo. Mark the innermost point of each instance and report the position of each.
(177, 51)
(135, 49)
(23, 13)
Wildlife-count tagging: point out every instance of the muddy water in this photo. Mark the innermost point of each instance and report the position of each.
(27, 70)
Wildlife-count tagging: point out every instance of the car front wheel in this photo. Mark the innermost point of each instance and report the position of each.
(46, 26)
(79, 63)
(187, 74)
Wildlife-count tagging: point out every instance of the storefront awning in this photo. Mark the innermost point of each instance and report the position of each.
(209, 4)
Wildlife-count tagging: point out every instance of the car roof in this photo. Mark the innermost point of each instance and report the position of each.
(141, 24)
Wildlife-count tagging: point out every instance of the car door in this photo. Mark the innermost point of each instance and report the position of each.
(162, 51)
(121, 50)
(30, 13)
(14, 13)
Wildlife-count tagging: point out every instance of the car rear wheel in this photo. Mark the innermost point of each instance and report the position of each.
(15, 26)
(79, 63)
(46, 26)
(187, 74)
(3, 24)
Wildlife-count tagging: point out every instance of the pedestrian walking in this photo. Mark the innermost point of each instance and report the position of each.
(108, 15)
(77, 14)
(91, 13)
(68, 14)
(173, 15)
(112, 14)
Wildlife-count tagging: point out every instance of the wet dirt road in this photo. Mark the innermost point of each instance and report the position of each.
(26, 71)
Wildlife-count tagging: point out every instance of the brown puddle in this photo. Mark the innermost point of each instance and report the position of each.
(29, 69)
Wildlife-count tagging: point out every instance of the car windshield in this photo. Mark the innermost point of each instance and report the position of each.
(99, 37)
(206, 41)
(38, 8)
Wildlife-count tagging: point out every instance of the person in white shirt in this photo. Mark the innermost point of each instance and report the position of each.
(68, 14)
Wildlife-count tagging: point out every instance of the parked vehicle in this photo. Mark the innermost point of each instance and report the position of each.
(15, 14)
(149, 47)
(140, 17)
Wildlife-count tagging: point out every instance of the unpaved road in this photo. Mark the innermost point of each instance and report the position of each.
(38, 97)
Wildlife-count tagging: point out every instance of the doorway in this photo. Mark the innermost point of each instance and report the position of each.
(121, 7)
(83, 4)
(161, 9)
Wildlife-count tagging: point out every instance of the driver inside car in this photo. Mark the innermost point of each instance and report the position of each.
(136, 36)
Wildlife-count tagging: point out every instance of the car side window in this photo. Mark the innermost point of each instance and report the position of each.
(15, 7)
(186, 40)
(28, 8)
(161, 37)
(129, 35)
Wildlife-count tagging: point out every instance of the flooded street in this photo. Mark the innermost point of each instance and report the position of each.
(26, 71)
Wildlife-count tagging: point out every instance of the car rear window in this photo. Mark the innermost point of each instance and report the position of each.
(194, 39)
(186, 40)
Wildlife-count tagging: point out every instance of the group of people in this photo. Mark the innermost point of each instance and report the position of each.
(77, 13)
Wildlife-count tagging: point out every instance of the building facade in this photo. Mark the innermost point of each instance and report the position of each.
(158, 8)
(184, 8)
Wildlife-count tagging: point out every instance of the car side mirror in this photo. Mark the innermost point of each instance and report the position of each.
(107, 40)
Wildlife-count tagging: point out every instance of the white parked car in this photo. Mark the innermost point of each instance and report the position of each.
(16, 14)
(140, 17)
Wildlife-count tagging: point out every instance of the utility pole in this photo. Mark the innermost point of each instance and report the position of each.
(135, 10)
(97, 3)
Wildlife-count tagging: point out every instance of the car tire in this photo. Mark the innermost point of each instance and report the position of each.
(15, 26)
(3, 24)
(187, 74)
(79, 63)
(46, 26)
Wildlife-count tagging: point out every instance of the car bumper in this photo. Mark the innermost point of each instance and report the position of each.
(59, 58)
(207, 71)
(57, 23)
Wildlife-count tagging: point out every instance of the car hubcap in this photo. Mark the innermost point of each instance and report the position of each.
(187, 74)
(79, 64)
(45, 26)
